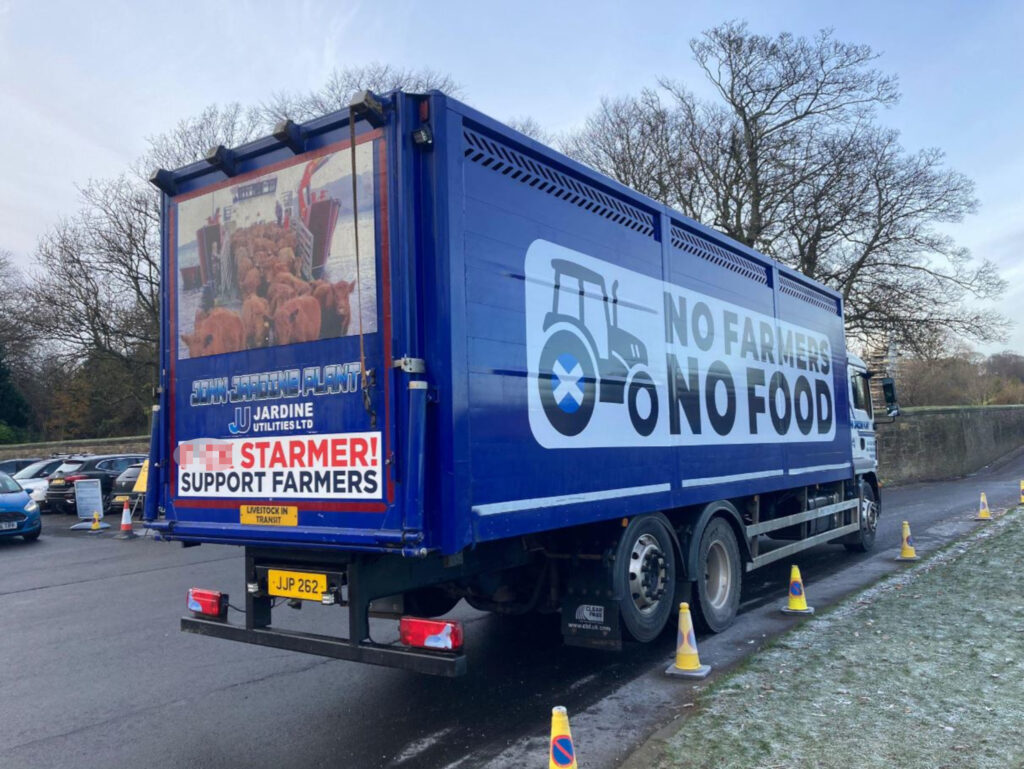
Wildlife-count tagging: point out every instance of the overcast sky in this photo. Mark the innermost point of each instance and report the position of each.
(82, 84)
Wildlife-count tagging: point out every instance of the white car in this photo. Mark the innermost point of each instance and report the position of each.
(35, 478)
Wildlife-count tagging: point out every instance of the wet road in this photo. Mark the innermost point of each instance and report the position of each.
(95, 673)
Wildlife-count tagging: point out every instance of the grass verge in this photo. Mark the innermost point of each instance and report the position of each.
(923, 670)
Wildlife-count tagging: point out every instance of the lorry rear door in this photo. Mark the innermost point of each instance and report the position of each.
(280, 422)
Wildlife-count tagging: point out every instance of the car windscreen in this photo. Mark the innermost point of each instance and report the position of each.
(8, 485)
(33, 470)
(67, 467)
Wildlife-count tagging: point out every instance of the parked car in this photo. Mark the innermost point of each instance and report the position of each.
(11, 466)
(60, 494)
(122, 491)
(19, 515)
(35, 478)
(67, 466)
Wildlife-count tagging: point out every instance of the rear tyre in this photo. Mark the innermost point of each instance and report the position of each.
(863, 540)
(719, 577)
(645, 577)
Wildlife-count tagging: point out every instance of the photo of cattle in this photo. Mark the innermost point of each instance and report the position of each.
(272, 260)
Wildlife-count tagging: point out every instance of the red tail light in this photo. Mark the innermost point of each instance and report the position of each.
(207, 603)
(73, 478)
(430, 633)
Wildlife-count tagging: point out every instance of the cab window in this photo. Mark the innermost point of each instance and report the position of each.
(861, 393)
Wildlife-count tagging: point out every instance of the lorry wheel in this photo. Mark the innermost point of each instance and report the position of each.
(645, 576)
(864, 540)
(567, 382)
(719, 576)
(644, 423)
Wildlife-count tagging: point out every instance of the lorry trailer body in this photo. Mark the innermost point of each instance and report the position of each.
(411, 356)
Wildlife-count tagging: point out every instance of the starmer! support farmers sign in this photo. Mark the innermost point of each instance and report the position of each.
(334, 466)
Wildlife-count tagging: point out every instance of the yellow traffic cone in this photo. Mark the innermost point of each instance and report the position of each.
(561, 754)
(907, 551)
(983, 512)
(1022, 492)
(687, 664)
(95, 523)
(797, 603)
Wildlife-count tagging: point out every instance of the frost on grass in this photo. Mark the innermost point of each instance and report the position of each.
(924, 670)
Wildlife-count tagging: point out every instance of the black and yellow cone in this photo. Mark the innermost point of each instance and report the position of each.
(561, 753)
(687, 664)
(984, 514)
(95, 524)
(907, 551)
(797, 603)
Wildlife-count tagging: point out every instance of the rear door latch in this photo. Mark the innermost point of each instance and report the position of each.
(411, 365)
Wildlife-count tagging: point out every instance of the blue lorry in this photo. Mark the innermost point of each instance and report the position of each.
(410, 356)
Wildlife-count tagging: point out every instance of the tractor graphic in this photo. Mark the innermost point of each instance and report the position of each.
(586, 357)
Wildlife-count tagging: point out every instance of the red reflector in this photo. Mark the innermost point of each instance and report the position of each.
(209, 603)
(424, 111)
(430, 633)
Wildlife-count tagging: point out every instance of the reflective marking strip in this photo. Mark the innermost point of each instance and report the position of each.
(818, 468)
(728, 478)
(568, 499)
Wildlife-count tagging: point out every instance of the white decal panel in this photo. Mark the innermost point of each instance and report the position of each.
(617, 358)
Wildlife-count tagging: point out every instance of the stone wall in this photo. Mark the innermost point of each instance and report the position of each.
(132, 444)
(934, 443)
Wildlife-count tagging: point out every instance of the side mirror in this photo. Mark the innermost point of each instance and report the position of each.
(892, 406)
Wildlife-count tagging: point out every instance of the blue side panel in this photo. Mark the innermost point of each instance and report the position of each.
(583, 303)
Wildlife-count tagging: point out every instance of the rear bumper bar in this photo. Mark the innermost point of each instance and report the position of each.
(430, 663)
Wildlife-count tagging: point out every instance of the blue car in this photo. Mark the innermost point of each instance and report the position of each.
(19, 514)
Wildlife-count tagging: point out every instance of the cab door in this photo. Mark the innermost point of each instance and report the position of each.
(862, 427)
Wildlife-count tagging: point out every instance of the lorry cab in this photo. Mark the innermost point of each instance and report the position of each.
(862, 425)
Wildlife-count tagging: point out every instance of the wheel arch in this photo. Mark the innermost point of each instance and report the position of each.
(720, 508)
(872, 480)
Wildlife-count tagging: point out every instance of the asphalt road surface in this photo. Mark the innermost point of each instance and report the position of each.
(95, 673)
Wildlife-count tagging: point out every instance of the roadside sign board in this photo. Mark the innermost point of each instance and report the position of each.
(88, 498)
(140, 482)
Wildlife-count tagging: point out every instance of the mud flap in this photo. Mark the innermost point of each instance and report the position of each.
(591, 623)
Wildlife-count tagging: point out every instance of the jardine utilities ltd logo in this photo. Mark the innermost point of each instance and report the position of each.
(620, 358)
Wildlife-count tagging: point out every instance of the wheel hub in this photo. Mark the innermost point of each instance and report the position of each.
(647, 573)
(718, 575)
(868, 514)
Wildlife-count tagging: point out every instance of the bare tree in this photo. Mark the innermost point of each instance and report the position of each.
(190, 140)
(790, 160)
(343, 84)
(775, 88)
(91, 305)
(529, 126)
(634, 140)
(15, 354)
(11, 293)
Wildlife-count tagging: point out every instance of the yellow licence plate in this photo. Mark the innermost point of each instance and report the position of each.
(296, 584)
(57, 482)
(121, 498)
